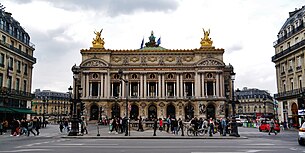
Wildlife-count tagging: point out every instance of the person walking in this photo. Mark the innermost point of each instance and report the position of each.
(61, 126)
(175, 126)
(271, 125)
(160, 124)
(224, 126)
(181, 126)
(36, 125)
(211, 127)
(30, 127)
(168, 122)
(1, 127)
(155, 126)
(140, 126)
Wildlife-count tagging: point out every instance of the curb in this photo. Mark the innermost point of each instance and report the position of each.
(147, 137)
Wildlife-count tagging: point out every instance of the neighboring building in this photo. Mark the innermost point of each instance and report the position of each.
(180, 83)
(51, 104)
(255, 103)
(289, 62)
(16, 64)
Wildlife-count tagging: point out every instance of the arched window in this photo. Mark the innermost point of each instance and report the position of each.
(134, 76)
(152, 76)
(170, 76)
(95, 76)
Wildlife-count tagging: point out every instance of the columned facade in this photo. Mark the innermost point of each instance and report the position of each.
(161, 82)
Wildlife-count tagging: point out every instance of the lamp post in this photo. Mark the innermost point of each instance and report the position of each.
(126, 94)
(76, 98)
(234, 131)
(265, 110)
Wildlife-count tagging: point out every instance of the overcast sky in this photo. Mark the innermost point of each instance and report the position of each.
(246, 29)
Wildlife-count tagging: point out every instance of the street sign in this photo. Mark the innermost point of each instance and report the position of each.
(301, 112)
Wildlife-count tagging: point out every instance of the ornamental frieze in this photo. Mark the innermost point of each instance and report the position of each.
(116, 59)
(94, 63)
(210, 62)
(152, 59)
(170, 59)
(134, 59)
(188, 58)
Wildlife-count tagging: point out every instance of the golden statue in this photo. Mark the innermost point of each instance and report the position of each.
(206, 41)
(98, 42)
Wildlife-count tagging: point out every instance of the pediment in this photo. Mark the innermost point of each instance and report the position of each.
(94, 63)
(210, 62)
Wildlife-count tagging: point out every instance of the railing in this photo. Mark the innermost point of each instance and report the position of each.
(18, 51)
(291, 93)
(12, 92)
(299, 28)
(289, 50)
(10, 32)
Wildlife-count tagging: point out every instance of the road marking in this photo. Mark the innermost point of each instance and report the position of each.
(249, 151)
(27, 150)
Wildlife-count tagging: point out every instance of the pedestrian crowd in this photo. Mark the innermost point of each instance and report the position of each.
(21, 127)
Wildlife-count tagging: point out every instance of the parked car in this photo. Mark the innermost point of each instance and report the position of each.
(266, 127)
(301, 137)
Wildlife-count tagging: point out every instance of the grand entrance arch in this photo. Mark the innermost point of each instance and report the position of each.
(211, 111)
(134, 112)
(171, 111)
(94, 112)
(115, 110)
(152, 111)
(189, 111)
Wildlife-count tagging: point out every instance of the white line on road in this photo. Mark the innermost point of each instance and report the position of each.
(27, 150)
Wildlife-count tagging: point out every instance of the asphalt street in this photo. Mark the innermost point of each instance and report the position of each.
(253, 141)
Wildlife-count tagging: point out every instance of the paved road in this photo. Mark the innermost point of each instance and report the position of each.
(50, 141)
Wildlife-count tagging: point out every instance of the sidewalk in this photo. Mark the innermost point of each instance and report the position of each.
(93, 131)
(52, 131)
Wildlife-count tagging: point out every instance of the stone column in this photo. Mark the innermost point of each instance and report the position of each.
(217, 85)
(181, 86)
(202, 85)
(102, 85)
(87, 84)
(163, 85)
(145, 86)
(196, 81)
(159, 86)
(177, 82)
(141, 85)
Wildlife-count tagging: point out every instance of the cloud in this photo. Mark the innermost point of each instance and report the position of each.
(114, 7)
(234, 48)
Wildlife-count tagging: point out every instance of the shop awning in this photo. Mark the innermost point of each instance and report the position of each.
(22, 110)
(5, 110)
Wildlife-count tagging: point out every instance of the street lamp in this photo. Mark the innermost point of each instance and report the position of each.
(126, 94)
(234, 131)
(76, 98)
(265, 110)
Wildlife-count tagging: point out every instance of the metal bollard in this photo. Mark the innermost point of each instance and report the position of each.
(98, 131)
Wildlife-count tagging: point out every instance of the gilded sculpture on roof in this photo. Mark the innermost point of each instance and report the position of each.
(206, 41)
(98, 42)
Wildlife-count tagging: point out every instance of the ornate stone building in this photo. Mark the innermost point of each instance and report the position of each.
(181, 83)
(289, 63)
(51, 104)
(16, 65)
(255, 103)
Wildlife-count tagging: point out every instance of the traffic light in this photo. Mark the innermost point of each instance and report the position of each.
(82, 106)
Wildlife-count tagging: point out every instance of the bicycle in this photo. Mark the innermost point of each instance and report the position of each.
(191, 131)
